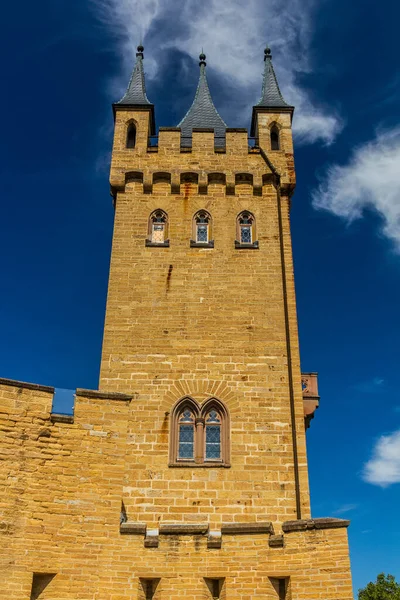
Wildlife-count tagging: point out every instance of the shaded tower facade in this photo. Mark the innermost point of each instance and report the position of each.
(185, 474)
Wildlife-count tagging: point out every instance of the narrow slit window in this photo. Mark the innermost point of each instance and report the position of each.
(186, 435)
(213, 436)
(275, 144)
(246, 221)
(158, 227)
(131, 136)
(202, 221)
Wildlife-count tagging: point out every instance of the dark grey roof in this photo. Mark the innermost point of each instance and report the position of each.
(271, 94)
(136, 92)
(202, 113)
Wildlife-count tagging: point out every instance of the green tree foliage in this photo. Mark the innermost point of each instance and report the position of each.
(384, 588)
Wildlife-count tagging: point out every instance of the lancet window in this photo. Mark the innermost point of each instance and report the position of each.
(202, 223)
(131, 136)
(199, 434)
(158, 227)
(245, 228)
(275, 138)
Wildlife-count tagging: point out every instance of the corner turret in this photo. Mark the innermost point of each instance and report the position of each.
(271, 125)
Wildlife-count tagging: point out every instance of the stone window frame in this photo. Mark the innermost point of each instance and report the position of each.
(275, 130)
(238, 242)
(149, 239)
(200, 412)
(194, 243)
(130, 144)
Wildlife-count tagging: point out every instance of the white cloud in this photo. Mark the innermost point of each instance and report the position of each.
(346, 508)
(383, 468)
(233, 34)
(370, 180)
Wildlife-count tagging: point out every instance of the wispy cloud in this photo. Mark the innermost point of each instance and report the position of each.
(370, 180)
(346, 508)
(383, 468)
(233, 34)
(377, 384)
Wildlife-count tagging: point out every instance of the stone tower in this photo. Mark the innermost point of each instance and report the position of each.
(186, 474)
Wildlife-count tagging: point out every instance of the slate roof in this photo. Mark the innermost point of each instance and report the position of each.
(202, 113)
(136, 93)
(271, 95)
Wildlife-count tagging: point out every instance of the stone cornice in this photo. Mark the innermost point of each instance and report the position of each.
(309, 524)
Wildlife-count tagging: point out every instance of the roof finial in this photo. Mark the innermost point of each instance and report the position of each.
(267, 52)
(140, 50)
(202, 58)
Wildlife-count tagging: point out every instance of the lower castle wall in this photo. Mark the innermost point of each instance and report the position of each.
(61, 486)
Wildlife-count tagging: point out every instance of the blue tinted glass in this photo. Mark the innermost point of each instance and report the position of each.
(202, 233)
(213, 442)
(213, 417)
(185, 450)
(186, 416)
(245, 235)
(186, 437)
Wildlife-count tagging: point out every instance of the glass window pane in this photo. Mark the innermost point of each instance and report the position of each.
(186, 441)
(213, 442)
(245, 233)
(202, 233)
(158, 232)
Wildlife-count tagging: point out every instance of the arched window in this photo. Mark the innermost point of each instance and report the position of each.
(275, 142)
(213, 435)
(158, 229)
(245, 228)
(202, 227)
(199, 434)
(186, 435)
(131, 136)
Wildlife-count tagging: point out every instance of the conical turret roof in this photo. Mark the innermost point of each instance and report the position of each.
(271, 95)
(202, 114)
(136, 92)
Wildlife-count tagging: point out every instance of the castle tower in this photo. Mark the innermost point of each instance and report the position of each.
(186, 474)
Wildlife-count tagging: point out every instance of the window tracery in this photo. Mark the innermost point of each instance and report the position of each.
(199, 434)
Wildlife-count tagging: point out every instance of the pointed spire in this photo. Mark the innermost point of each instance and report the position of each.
(271, 96)
(202, 114)
(136, 92)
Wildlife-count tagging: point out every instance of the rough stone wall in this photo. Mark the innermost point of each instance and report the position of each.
(204, 322)
(61, 492)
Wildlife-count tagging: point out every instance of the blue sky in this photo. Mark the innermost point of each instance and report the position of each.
(65, 62)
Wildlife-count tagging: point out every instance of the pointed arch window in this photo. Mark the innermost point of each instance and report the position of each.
(199, 434)
(245, 231)
(213, 435)
(202, 230)
(131, 136)
(275, 138)
(158, 229)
